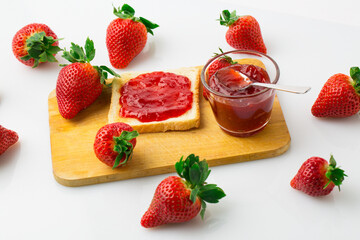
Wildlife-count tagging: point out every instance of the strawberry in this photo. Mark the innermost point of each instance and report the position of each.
(7, 139)
(316, 177)
(340, 96)
(35, 43)
(79, 84)
(243, 33)
(219, 63)
(126, 36)
(114, 144)
(180, 199)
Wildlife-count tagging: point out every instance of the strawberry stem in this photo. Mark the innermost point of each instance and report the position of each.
(127, 12)
(40, 48)
(334, 174)
(195, 172)
(227, 18)
(355, 75)
(124, 146)
(78, 54)
(226, 57)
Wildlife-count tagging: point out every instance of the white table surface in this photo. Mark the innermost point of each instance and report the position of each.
(311, 40)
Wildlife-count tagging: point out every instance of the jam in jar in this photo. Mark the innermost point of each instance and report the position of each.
(241, 111)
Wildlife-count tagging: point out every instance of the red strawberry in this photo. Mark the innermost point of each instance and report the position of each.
(181, 199)
(126, 36)
(316, 177)
(219, 63)
(340, 96)
(35, 43)
(7, 139)
(79, 84)
(114, 144)
(243, 33)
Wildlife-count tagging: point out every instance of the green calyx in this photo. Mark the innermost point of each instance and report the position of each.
(355, 75)
(334, 174)
(195, 173)
(226, 57)
(127, 12)
(40, 48)
(78, 54)
(123, 146)
(227, 18)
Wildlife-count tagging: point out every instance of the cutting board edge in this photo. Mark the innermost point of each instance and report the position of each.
(82, 181)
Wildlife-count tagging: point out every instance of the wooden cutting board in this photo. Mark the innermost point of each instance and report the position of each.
(75, 164)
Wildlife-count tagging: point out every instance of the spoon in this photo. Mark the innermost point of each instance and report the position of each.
(292, 89)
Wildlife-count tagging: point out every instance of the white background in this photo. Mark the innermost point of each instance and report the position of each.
(310, 40)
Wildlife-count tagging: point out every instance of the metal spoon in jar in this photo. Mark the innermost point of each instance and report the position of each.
(292, 89)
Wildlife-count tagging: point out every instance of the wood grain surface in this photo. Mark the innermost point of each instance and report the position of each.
(75, 164)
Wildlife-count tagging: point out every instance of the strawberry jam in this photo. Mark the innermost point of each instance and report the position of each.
(156, 96)
(228, 80)
(241, 112)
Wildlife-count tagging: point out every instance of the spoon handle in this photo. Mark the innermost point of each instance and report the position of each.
(292, 89)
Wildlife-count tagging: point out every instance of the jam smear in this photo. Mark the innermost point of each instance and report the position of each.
(248, 114)
(156, 96)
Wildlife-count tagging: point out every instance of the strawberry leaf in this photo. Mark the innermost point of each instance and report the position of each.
(53, 50)
(76, 54)
(179, 166)
(203, 208)
(39, 46)
(227, 18)
(26, 57)
(355, 75)
(89, 50)
(148, 24)
(128, 9)
(127, 136)
(103, 72)
(334, 174)
(43, 57)
(127, 12)
(68, 56)
(211, 193)
(195, 172)
(194, 193)
(123, 146)
(226, 57)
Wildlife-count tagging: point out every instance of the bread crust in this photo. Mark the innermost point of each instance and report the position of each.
(190, 119)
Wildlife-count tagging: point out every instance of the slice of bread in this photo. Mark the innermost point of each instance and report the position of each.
(190, 119)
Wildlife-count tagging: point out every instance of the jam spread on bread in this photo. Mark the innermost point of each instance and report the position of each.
(156, 96)
(245, 110)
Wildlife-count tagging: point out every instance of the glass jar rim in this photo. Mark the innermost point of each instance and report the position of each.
(250, 52)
